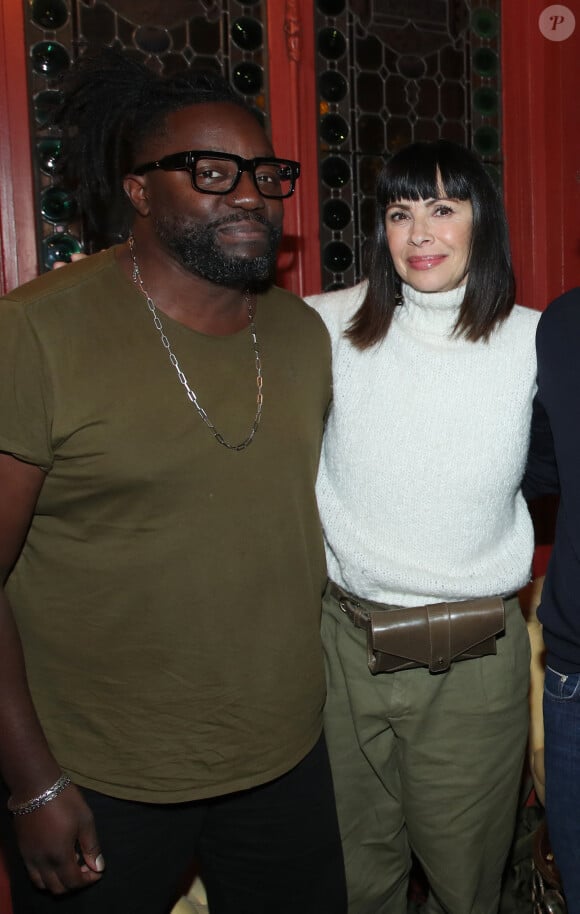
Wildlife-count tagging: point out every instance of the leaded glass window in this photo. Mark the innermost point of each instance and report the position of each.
(390, 73)
(171, 35)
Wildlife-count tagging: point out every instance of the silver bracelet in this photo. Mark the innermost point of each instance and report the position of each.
(22, 809)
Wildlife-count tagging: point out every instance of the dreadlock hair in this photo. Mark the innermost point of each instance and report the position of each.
(112, 102)
(424, 171)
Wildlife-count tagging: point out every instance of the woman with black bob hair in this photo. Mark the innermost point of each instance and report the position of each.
(430, 170)
(428, 540)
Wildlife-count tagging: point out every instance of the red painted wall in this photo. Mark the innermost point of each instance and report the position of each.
(541, 130)
(18, 259)
(5, 905)
(294, 116)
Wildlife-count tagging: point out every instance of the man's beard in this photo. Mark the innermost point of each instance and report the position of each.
(197, 249)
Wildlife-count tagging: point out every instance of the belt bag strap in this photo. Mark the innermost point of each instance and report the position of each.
(433, 636)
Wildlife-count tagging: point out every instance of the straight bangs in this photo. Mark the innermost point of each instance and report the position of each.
(422, 172)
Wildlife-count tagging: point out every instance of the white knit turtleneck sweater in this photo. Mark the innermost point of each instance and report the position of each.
(424, 451)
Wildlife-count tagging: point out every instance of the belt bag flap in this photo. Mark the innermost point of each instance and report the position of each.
(433, 636)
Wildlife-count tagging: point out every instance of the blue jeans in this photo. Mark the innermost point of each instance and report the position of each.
(562, 759)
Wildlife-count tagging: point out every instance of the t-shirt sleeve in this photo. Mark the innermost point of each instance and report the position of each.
(25, 392)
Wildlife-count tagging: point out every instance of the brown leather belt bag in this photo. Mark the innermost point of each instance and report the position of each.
(433, 636)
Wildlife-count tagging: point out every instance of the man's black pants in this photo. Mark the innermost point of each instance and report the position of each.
(274, 849)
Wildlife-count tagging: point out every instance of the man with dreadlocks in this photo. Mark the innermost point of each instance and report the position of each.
(161, 412)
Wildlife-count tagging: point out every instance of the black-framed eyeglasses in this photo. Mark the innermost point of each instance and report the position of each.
(219, 172)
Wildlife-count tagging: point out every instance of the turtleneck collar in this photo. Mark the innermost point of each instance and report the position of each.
(434, 301)
(432, 313)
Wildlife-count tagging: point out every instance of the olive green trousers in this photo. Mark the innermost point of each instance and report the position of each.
(426, 762)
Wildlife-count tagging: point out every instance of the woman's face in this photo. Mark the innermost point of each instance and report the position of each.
(429, 241)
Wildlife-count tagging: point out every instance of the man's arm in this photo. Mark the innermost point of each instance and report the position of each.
(50, 838)
(541, 476)
(537, 673)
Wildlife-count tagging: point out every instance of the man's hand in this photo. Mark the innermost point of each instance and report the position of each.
(59, 844)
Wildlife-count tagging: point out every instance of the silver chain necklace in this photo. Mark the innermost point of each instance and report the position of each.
(137, 279)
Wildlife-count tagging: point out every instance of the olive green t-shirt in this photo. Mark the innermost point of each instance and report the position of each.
(168, 592)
